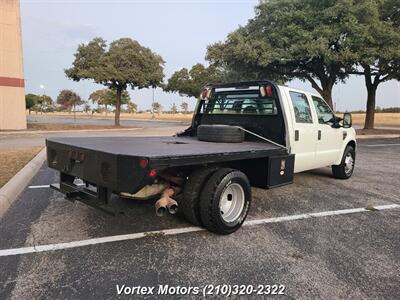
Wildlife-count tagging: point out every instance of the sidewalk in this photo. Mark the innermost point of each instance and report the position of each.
(30, 132)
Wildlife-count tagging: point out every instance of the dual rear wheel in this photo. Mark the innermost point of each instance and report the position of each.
(218, 199)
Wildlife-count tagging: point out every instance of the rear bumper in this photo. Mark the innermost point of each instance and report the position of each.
(98, 197)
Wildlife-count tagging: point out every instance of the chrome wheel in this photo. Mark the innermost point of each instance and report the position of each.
(231, 203)
(348, 164)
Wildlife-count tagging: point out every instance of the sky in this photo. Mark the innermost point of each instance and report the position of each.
(178, 30)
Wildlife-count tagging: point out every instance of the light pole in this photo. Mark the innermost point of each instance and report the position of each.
(43, 94)
(152, 106)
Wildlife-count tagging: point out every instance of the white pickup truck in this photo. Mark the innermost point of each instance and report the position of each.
(242, 134)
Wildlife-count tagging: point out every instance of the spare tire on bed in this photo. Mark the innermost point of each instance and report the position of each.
(220, 133)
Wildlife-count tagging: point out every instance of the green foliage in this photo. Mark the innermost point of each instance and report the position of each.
(125, 63)
(44, 100)
(68, 99)
(375, 38)
(191, 82)
(184, 107)
(42, 103)
(156, 107)
(30, 101)
(387, 110)
(87, 109)
(132, 107)
(173, 109)
(287, 39)
(108, 97)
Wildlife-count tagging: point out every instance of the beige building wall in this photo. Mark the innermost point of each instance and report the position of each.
(12, 91)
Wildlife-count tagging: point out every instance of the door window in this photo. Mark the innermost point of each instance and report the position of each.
(323, 110)
(301, 107)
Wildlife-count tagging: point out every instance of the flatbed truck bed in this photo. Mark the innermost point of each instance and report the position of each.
(180, 149)
(114, 162)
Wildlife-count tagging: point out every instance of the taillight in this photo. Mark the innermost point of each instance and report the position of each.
(268, 90)
(205, 94)
(143, 163)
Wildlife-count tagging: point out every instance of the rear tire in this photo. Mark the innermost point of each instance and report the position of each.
(225, 201)
(346, 167)
(189, 202)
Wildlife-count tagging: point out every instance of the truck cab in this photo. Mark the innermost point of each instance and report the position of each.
(298, 120)
(315, 135)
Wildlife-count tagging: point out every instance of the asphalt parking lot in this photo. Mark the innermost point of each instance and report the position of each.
(331, 255)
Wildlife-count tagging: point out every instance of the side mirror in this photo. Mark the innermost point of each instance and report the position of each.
(347, 120)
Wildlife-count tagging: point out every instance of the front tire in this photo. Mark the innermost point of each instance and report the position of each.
(346, 167)
(225, 201)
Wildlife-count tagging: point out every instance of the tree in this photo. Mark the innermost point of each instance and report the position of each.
(30, 101)
(69, 99)
(191, 82)
(375, 38)
(174, 109)
(108, 97)
(124, 63)
(184, 107)
(287, 39)
(43, 102)
(132, 107)
(156, 107)
(87, 109)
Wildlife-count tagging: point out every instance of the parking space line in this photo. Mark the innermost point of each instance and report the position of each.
(38, 186)
(381, 145)
(47, 186)
(176, 231)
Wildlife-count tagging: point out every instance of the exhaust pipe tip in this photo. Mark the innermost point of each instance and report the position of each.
(161, 211)
(173, 209)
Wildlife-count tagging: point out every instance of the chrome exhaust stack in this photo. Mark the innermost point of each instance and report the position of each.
(161, 207)
(166, 203)
(172, 207)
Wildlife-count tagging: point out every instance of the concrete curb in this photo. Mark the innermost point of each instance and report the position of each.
(64, 131)
(14, 187)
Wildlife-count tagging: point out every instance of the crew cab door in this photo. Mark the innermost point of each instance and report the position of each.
(330, 139)
(304, 138)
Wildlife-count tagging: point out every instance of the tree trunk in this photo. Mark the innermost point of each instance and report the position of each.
(325, 90)
(327, 87)
(106, 108)
(370, 114)
(327, 95)
(372, 86)
(118, 106)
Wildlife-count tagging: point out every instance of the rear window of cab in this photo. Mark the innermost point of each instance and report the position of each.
(241, 103)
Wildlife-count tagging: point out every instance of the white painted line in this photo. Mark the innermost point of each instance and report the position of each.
(176, 231)
(47, 186)
(381, 145)
(95, 241)
(318, 214)
(38, 186)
